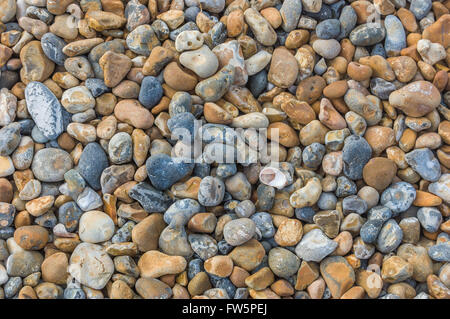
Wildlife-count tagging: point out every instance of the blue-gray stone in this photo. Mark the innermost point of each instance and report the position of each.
(420, 8)
(266, 197)
(378, 49)
(224, 247)
(370, 230)
(423, 162)
(97, 87)
(440, 252)
(315, 246)
(345, 187)
(380, 213)
(194, 267)
(203, 245)
(347, 21)
(283, 262)
(48, 220)
(186, 207)
(164, 171)
(223, 283)
(52, 46)
(324, 13)
(327, 201)
(381, 88)
(226, 170)
(180, 103)
(120, 148)
(328, 29)
(263, 222)
(216, 35)
(151, 92)
(190, 14)
(241, 293)
(430, 218)
(354, 204)
(395, 36)
(390, 237)
(26, 126)
(69, 214)
(398, 197)
(336, 8)
(305, 214)
(182, 126)
(257, 83)
(151, 199)
(201, 169)
(185, 27)
(312, 155)
(355, 154)
(211, 191)
(367, 34)
(93, 161)
(9, 138)
(45, 109)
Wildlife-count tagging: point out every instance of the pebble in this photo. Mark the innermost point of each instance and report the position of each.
(315, 246)
(45, 110)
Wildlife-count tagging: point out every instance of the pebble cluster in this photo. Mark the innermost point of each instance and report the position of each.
(352, 200)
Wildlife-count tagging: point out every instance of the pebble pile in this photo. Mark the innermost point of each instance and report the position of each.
(352, 200)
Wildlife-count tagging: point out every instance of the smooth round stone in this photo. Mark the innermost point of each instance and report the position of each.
(315, 246)
(329, 49)
(398, 197)
(367, 34)
(390, 237)
(430, 218)
(239, 231)
(97, 87)
(283, 262)
(90, 265)
(424, 163)
(440, 252)
(93, 161)
(202, 62)
(165, 171)
(203, 245)
(45, 109)
(185, 207)
(24, 263)
(151, 92)
(50, 164)
(181, 126)
(9, 138)
(190, 14)
(69, 214)
(52, 46)
(328, 29)
(95, 227)
(347, 19)
(370, 230)
(245, 208)
(327, 201)
(354, 204)
(381, 213)
(290, 12)
(420, 8)
(395, 36)
(120, 148)
(355, 154)
(260, 27)
(77, 99)
(211, 191)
